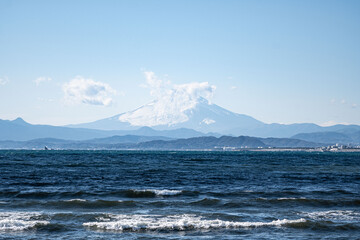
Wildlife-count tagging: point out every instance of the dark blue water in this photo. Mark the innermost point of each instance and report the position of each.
(179, 195)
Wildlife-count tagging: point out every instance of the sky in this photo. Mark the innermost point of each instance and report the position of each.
(67, 62)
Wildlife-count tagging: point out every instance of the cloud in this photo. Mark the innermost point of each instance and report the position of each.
(233, 87)
(3, 80)
(88, 91)
(354, 105)
(184, 95)
(172, 101)
(40, 80)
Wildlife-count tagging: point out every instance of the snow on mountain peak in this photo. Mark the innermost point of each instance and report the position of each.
(172, 102)
(208, 121)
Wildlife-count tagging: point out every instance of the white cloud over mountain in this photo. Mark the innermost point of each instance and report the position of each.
(88, 91)
(183, 94)
(171, 102)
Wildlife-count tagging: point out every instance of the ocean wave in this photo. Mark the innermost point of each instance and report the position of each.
(290, 198)
(144, 193)
(206, 202)
(333, 215)
(41, 194)
(139, 193)
(75, 200)
(278, 194)
(175, 223)
(311, 201)
(82, 203)
(130, 193)
(74, 203)
(165, 192)
(20, 221)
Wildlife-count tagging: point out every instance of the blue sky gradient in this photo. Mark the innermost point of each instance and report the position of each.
(278, 61)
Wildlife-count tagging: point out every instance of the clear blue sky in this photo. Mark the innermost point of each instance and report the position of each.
(278, 61)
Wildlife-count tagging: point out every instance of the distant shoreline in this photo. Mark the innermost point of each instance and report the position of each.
(303, 150)
(349, 150)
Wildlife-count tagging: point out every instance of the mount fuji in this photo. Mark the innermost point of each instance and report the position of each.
(200, 115)
(199, 118)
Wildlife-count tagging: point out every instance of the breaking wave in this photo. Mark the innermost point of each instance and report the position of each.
(311, 201)
(20, 221)
(135, 193)
(175, 223)
(333, 215)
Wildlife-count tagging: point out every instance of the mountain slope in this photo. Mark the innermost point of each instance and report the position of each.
(330, 137)
(208, 118)
(203, 117)
(125, 139)
(159, 143)
(277, 130)
(225, 142)
(19, 130)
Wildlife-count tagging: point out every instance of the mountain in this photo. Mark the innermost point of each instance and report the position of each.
(204, 143)
(125, 139)
(226, 142)
(160, 143)
(19, 130)
(277, 130)
(20, 134)
(197, 118)
(172, 133)
(205, 117)
(96, 143)
(289, 143)
(330, 137)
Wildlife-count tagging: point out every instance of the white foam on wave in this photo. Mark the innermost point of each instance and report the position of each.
(76, 200)
(342, 215)
(166, 192)
(291, 198)
(161, 192)
(19, 221)
(175, 222)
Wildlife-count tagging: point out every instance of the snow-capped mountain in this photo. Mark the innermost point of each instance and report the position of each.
(199, 115)
(202, 116)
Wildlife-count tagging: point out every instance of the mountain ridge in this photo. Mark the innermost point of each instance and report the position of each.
(211, 118)
(20, 130)
(160, 143)
(203, 117)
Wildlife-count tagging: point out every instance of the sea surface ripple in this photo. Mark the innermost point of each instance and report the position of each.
(179, 195)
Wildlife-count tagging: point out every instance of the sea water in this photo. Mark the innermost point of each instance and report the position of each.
(179, 195)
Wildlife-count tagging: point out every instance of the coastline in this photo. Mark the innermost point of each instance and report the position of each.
(315, 150)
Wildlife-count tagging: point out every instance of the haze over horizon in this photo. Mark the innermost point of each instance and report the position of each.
(66, 62)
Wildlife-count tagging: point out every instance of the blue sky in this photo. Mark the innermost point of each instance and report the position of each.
(278, 61)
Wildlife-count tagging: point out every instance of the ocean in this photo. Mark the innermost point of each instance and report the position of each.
(179, 195)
